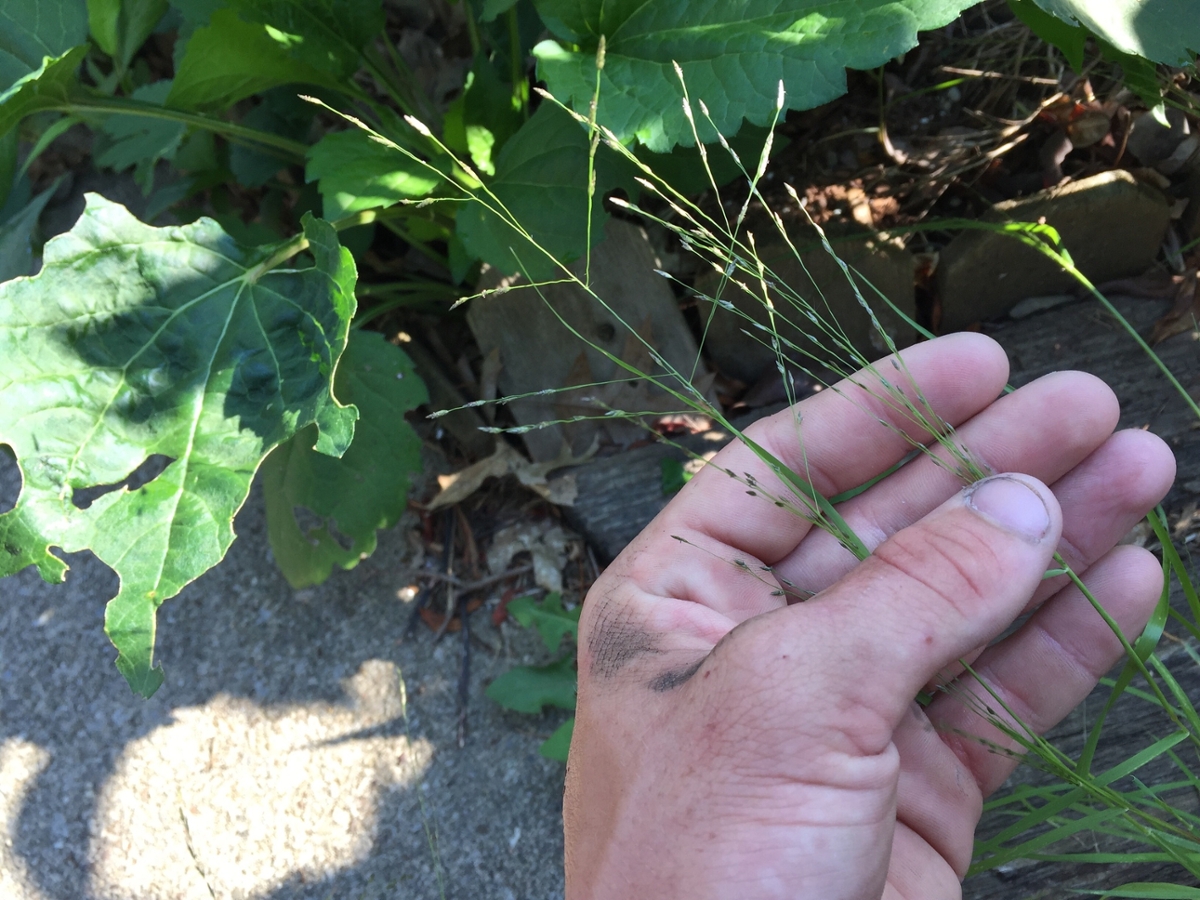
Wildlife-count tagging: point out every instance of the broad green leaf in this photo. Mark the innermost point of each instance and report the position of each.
(16, 237)
(493, 8)
(353, 172)
(733, 56)
(9, 157)
(230, 59)
(364, 491)
(528, 689)
(483, 118)
(31, 30)
(280, 112)
(196, 13)
(1165, 31)
(120, 27)
(1140, 76)
(1070, 39)
(558, 745)
(140, 141)
(548, 616)
(136, 342)
(541, 178)
(104, 22)
(50, 86)
(326, 34)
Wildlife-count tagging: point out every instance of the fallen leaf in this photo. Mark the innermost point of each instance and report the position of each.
(560, 491)
(1184, 313)
(433, 619)
(546, 543)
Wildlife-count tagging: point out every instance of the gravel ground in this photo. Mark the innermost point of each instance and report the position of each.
(275, 761)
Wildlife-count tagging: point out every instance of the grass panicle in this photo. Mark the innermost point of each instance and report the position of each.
(1065, 818)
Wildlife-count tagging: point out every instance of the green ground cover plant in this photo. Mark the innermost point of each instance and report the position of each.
(194, 353)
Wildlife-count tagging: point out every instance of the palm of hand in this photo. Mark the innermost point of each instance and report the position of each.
(730, 745)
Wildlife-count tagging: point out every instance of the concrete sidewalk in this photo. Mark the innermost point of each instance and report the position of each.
(274, 762)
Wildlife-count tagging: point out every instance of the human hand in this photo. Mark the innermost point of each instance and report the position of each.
(729, 745)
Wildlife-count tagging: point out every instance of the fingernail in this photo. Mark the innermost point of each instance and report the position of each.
(1011, 504)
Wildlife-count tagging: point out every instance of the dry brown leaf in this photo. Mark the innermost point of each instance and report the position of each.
(560, 491)
(1184, 313)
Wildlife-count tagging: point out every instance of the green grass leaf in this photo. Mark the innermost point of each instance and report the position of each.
(354, 172)
(548, 617)
(136, 342)
(733, 56)
(541, 178)
(365, 490)
(1148, 890)
(49, 86)
(1166, 31)
(528, 689)
(230, 59)
(31, 30)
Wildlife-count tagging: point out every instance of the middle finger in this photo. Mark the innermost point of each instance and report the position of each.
(1025, 431)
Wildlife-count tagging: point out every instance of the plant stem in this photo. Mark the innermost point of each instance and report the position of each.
(299, 243)
(239, 133)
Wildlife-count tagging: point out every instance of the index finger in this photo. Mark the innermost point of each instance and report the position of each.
(847, 435)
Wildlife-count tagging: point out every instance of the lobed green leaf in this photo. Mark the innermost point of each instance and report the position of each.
(541, 179)
(230, 59)
(529, 689)
(733, 56)
(355, 172)
(173, 343)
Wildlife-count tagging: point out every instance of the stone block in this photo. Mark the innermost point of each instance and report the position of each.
(1111, 224)
(736, 347)
(538, 351)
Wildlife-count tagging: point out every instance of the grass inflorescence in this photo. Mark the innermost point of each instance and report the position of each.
(1044, 820)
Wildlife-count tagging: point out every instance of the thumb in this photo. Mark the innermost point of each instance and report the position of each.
(929, 595)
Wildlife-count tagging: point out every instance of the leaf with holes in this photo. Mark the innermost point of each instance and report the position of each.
(364, 491)
(733, 56)
(136, 342)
